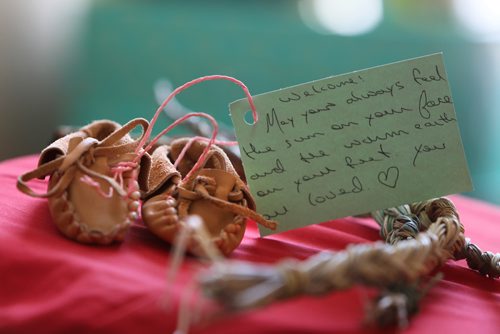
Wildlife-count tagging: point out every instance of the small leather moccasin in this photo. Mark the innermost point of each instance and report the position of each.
(93, 191)
(215, 192)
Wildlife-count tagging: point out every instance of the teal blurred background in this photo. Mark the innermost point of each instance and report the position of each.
(70, 62)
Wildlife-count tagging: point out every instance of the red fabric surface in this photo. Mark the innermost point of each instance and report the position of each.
(50, 284)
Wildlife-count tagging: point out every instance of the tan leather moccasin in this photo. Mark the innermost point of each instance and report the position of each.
(93, 191)
(214, 192)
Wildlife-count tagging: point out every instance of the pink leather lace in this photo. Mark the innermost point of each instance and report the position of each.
(140, 151)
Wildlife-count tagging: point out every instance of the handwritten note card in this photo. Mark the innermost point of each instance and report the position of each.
(353, 143)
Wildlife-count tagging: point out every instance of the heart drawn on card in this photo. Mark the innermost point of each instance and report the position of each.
(389, 178)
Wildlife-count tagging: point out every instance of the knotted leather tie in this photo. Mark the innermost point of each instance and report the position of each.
(204, 188)
(81, 156)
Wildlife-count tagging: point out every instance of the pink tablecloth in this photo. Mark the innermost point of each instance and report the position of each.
(50, 284)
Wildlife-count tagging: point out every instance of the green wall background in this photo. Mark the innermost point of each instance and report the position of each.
(127, 46)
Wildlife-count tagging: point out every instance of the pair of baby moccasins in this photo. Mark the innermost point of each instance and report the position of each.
(99, 176)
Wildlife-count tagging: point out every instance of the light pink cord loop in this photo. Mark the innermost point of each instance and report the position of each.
(140, 151)
(179, 89)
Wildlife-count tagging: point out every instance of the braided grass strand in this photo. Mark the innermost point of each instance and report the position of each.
(420, 238)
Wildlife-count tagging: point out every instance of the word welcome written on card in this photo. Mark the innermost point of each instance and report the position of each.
(353, 143)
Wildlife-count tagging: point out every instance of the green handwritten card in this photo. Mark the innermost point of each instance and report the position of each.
(353, 143)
